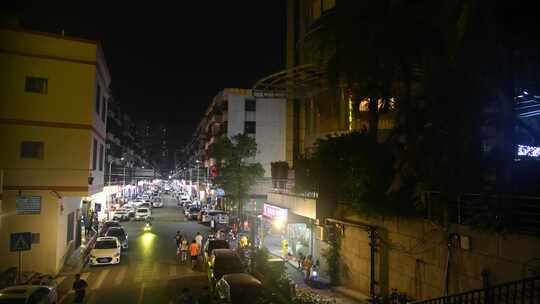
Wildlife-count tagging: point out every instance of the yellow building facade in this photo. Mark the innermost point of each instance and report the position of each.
(53, 103)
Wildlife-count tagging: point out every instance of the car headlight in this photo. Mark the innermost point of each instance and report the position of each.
(116, 254)
(92, 256)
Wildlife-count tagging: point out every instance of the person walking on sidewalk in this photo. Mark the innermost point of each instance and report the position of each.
(184, 249)
(199, 239)
(178, 239)
(194, 252)
(79, 286)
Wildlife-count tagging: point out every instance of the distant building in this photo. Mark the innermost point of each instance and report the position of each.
(236, 111)
(54, 97)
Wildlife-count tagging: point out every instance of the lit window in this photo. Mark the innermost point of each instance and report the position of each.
(36, 85)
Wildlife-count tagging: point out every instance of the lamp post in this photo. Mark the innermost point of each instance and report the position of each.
(110, 168)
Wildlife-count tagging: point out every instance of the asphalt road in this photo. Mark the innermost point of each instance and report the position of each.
(149, 271)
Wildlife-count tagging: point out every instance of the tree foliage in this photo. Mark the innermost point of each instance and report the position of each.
(237, 172)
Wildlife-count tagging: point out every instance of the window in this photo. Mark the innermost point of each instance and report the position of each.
(32, 149)
(250, 105)
(98, 98)
(36, 85)
(100, 157)
(103, 109)
(94, 155)
(249, 127)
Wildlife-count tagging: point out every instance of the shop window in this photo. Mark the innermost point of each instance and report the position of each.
(36, 85)
(32, 149)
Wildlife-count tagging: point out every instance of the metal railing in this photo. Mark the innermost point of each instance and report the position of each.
(525, 291)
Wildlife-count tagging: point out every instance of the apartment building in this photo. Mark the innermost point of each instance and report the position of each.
(54, 93)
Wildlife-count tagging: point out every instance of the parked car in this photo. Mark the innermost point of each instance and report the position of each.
(29, 294)
(120, 234)
(222, 262)
(121, 215)
(106, 250)
(142, 214)
(157, 203)
(129, 209)
(219, 217)
(146, 205)
(212, 244)
(238, 288)
(193, 212)
(108, 225)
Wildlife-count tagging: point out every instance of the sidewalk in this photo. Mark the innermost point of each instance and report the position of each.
(297, 277)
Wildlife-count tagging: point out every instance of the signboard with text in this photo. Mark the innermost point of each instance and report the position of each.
(28, 204)
(274, 212)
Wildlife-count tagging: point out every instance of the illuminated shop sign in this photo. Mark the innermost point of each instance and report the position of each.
(529, 151)
(274, 212)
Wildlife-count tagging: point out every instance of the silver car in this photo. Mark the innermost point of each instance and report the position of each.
(26, 294)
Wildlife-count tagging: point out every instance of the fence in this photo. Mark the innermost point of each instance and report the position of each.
(525, 291)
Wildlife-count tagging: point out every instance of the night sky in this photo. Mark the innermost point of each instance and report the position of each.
(168, 61)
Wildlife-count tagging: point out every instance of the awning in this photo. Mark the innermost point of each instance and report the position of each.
(297, 82)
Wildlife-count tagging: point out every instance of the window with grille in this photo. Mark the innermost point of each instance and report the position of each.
(94, 155)
(250, 105)
(100, 157)
(36, 85)
(32, 149)
(98, 98)
(249, 127)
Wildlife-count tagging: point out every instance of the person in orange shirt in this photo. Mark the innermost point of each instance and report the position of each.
(194, 252)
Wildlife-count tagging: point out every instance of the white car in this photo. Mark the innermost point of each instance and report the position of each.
(107, 250)
(142, 214)
(29, 294)
(157, 204)
(121, 215)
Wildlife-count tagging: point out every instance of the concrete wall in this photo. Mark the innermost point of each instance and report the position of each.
(270, 132)
(412, 256)
(43, 255)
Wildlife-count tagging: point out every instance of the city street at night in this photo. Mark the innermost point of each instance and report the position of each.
(149, 271)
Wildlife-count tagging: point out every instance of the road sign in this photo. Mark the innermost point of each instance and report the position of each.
(21, 241)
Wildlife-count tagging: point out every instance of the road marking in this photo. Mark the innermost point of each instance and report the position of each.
(120, 277)
(172, 270)
(101, 277)
(141, 294)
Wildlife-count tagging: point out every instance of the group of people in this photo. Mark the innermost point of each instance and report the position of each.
(184, 247)
(308, 268)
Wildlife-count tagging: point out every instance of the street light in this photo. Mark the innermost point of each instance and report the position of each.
(110, 168)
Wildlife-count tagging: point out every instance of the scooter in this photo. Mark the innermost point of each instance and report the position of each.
(147, 227)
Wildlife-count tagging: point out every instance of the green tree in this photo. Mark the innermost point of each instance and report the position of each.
(237, 172)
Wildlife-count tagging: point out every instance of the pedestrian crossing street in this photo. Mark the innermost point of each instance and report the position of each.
(114, 275)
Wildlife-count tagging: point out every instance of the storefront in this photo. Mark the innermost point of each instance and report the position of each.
(285, 233)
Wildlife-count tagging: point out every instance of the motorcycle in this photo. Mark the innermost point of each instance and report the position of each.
(147, 227)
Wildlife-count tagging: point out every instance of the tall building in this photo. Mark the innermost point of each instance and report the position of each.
(54, 93)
